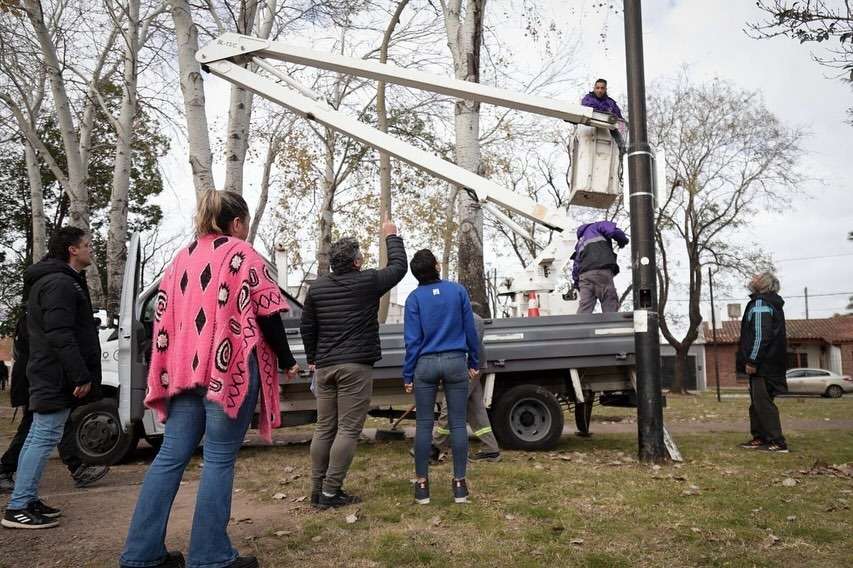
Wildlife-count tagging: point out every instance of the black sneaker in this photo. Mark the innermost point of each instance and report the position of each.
(245, 562)
(754, 444)
(315, 498)
(172, 560)
(24, 519)
(460, 491)
(40, 508)
(86, 475)
(486, 456)
(422, 492)
(7, 483)
(777, 448)
(340, 499)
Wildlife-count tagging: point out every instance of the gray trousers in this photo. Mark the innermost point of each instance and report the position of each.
(764, 422)
(343, 399)
(597, 285)
(478, 420)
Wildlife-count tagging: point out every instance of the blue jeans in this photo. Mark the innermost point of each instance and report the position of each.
(450, 369)
(45, 434)
(192, 416)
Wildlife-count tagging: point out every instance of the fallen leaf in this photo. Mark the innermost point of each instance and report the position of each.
(288, 469)
(539, 466)
(435, 521)
(282, 533)
(696, 529)
(576, 541)
(352, 518)
(299, 499)
(789, 482)
(279, 496)
(792, 518)
(245, 520)
(317, 538)
(509, 517)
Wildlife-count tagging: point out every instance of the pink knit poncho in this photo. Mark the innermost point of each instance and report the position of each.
(205, 328)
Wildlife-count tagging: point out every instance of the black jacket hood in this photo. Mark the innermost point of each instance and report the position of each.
(44, 267)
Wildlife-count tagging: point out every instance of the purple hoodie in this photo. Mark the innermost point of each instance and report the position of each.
(594, 249)
(601, 105)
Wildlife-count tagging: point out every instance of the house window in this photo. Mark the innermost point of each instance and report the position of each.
(798, 360)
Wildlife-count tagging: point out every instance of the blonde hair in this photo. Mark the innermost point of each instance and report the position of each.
(217, 209)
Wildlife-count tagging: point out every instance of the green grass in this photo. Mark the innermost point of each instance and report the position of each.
(598, 507)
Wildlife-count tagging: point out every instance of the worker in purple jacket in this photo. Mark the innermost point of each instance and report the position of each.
(597, 98)
(595, 266)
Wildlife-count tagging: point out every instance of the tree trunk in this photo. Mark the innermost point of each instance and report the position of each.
(447, 238)
(117, 232)
(192, 87)
(384, 158)
(78, 212)
(325, 220)
(36, 203)
(679, 376)
(464, 39)
(239, 112)
(272, 152)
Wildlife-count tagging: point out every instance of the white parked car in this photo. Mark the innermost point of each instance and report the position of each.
(818, 381)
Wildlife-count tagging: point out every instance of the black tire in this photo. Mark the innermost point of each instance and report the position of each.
(528, 417)
(834, 391)
(98, 436)
(583, 414)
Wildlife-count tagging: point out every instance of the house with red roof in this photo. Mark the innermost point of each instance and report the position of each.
(814, 343)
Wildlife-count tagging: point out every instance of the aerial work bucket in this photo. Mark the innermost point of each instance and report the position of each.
(595, 168)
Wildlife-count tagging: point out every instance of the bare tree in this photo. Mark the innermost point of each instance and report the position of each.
(465, 38)
(134, 34)
(828, 23)
(728, 158)
(42, 35)
(192, 88)
(384, 158)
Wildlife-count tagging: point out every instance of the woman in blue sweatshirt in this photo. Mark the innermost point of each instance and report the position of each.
(441, 348)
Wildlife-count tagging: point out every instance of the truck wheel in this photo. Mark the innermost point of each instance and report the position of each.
(583, 415)
(98, 436)
(528, 417)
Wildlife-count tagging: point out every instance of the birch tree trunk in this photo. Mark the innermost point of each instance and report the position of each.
(326, 218)
(117, 232)
(384, 158)
(36, 203)
(272, 154)
(239, 111)
(192, 88)
(78, 211)
(464, 37)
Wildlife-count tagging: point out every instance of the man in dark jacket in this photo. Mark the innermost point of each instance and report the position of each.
(64, 365)
(4, 375)
(595, 266)
(762, 356)
(340, 332)
(83, 474)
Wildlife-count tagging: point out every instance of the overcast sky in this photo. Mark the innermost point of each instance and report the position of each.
(808, 242)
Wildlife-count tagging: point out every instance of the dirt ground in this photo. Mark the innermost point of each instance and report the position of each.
(95, 520)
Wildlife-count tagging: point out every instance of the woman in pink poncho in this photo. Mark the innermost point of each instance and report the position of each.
(218, 342)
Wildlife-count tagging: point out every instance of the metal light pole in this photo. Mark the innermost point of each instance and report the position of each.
(714, 334)
(646, 324)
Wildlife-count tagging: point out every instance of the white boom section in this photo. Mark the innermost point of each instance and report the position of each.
(231, 45)
(485, 190)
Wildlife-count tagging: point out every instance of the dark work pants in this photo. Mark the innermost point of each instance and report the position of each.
(764, 422)
(9, 461)
(597, 285)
